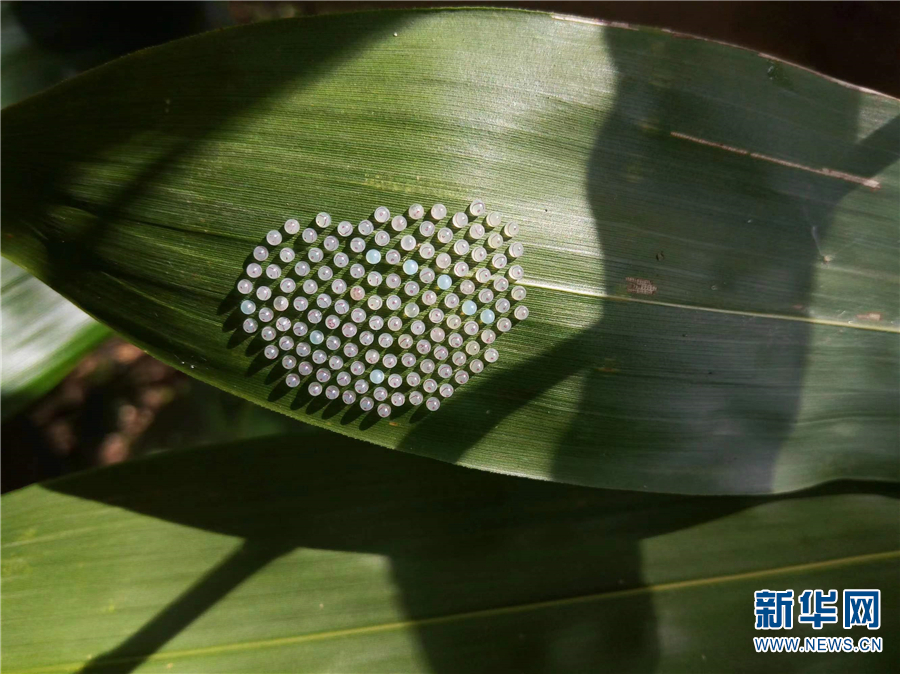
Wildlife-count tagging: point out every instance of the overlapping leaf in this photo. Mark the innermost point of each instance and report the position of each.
(325, 554)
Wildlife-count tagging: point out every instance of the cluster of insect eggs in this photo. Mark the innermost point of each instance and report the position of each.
(358, 312)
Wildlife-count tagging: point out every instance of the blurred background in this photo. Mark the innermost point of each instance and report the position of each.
(76, 396)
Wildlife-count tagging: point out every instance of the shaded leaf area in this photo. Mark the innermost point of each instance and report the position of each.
(712, 260)
(44, 336)
(287, 554)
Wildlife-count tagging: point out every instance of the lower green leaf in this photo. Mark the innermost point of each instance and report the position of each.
(288, 554)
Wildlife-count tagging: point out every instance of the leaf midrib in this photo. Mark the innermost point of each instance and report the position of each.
(587, 292)
(874, 557)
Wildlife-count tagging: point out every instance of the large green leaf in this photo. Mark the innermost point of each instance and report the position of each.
(712, 260)
(44, 336)
(272, 556)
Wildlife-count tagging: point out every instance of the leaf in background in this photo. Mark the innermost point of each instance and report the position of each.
(44, 337)
(27, 68)
(275, 555)
(711, 239)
